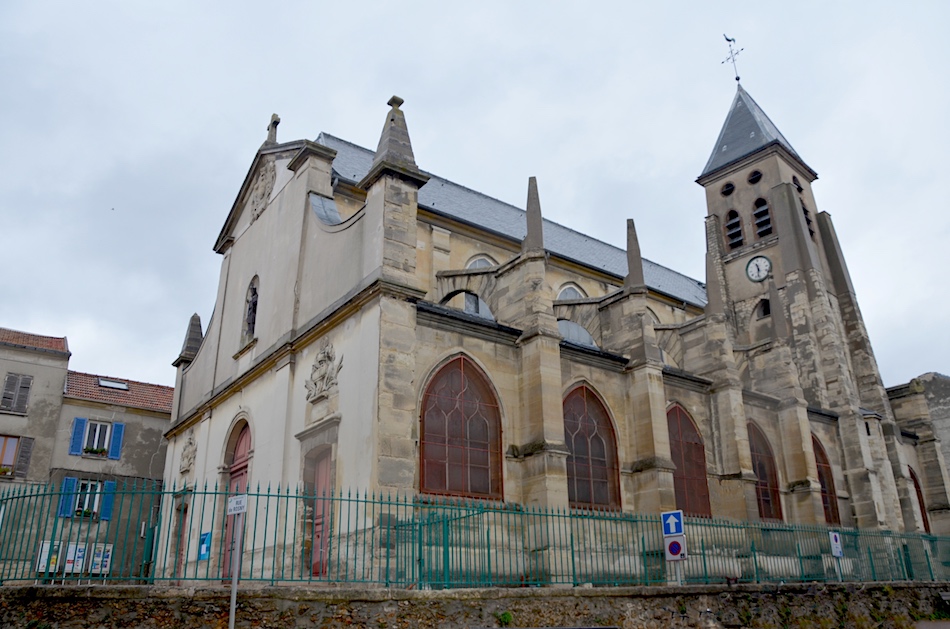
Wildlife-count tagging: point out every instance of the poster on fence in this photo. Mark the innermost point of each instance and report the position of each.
(50, 552)
(101, 559)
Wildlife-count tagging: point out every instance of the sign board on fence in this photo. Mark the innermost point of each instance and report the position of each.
(675, 547)
(101, 559)
(237, 504)
(48, 553)
(204, 546)
(672, 523)
(836, 548)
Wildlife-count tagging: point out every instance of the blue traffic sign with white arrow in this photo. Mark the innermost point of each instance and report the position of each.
(672, 523)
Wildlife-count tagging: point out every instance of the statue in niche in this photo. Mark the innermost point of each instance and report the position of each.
(188, 456)
(261, 189)
(323, 374)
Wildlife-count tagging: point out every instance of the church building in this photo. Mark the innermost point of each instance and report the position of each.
(379, 328)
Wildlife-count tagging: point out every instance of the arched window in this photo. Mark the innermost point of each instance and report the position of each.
(592, 470)
(766, 473)
(763, 309)
(920, 499)
(480, 262)
(250, 312)
(461, 433)
(575, 333)
(829, 498)
(689, 456)
(571, 291)
(473, 303)
(763, 221)
(733, 230)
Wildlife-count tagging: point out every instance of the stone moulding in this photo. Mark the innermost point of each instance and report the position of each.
(323, 374)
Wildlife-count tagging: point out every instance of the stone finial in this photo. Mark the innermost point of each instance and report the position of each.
(394, 152)
(272, 129)
(634, 277)
(534, 238)
(193, 338)
(394, 145)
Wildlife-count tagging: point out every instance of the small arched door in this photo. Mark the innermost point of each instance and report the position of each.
(237, 484)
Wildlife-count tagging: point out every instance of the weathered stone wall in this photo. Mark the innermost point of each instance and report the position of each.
(897, 605)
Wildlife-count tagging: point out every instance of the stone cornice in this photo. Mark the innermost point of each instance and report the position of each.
(451, 320)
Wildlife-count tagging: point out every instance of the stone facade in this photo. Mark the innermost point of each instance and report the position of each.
(378, 328)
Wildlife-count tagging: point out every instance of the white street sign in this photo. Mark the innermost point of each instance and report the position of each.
(675, 547)
(237, 504)
(836, 548)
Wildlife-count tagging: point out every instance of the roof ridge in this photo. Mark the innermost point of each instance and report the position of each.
(434, 177)
(126, 380)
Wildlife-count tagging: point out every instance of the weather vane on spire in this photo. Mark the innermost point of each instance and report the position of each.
(732, 55)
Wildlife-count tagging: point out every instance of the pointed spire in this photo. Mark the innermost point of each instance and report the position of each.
(272, 130)
(634, 277)
(747, 129)
(534, 238)
(193, 338)
(394, 152)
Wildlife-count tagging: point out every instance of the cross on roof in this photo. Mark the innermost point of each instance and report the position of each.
(732, 55)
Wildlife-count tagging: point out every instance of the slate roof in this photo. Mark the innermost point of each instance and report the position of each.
(746, 130)
(444, 197)
(16, 338)
(142, 395)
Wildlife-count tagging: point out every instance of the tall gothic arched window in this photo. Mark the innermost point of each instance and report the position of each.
(592, 470)
(689, 456)
(920, 499)
(461, 433)
(766, 473)
(829, 498)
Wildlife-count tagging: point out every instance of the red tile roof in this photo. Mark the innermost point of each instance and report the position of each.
(33, 341)
(152, 397)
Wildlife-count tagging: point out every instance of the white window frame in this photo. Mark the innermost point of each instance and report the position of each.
(571, 286)
(88, 492)
(100, 427)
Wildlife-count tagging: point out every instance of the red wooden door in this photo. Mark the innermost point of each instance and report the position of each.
(321, 514)
(237, 484)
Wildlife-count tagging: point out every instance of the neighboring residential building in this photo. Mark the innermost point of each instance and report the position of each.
(379, 328)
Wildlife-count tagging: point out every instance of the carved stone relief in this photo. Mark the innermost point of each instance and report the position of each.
(261, 189)
(323, 374)
(188, 456)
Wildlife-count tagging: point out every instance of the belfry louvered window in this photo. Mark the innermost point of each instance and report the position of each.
(763, 221)
(733, 230)
(689, 457)
(461, 433)
(766, 474)
(808, 221)
(592, 470)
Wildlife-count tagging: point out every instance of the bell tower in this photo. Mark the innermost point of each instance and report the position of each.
(790, 308)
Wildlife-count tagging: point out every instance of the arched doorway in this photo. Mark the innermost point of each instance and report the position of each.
(239, 455)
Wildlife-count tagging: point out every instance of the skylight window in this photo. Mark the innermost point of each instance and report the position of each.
(113, 384)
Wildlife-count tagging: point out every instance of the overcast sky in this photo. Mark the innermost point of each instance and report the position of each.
(128, 127)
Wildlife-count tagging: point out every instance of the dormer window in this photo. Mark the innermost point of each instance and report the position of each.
(733, 230)
(763, 221)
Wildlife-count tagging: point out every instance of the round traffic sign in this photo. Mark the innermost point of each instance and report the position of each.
(675, 548)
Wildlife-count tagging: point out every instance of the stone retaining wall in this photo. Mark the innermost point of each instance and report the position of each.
(896, 605)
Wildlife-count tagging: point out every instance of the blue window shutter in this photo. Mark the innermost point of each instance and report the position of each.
(108, 499)
(115, 448)
(67, 499)
(75, 442)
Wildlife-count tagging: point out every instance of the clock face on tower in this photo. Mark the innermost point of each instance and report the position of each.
(758, 268)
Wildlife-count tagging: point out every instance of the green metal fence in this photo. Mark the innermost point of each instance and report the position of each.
(146, 533)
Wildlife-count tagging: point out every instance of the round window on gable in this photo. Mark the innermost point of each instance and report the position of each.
(727, 189)
(755, 177)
